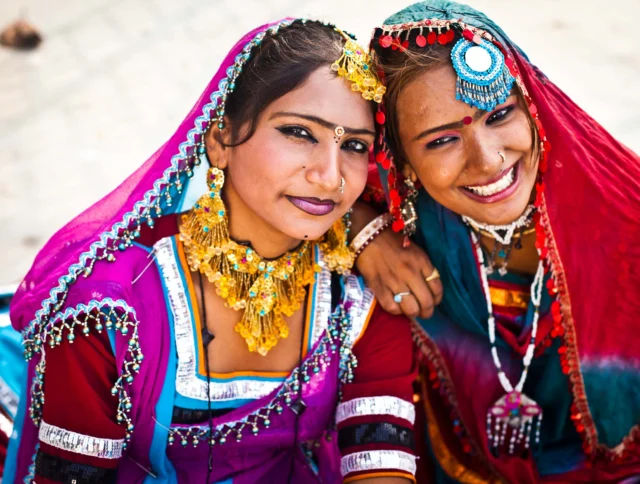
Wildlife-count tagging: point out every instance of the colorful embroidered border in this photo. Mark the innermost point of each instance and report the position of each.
(386, 405)
(335, 340)
(104, 314)
(377, 460)
(79, 443)
(569, 358)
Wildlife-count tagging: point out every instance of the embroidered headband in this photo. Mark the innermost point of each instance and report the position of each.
(484, 78)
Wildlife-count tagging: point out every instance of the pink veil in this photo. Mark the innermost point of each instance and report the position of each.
(168, 182)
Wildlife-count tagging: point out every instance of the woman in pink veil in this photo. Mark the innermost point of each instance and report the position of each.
(199, 323)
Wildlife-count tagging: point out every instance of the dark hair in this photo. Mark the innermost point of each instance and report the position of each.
(281, 63)
(401, 66)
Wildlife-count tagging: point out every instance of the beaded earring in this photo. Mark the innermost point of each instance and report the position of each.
(338, 254)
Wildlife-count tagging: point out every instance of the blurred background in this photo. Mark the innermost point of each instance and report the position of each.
(112, 80)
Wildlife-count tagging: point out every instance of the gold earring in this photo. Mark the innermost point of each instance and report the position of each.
(338, 255)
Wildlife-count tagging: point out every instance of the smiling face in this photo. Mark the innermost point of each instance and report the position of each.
(475, 163)
(285, 180)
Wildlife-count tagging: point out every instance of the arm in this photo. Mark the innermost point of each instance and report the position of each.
(389, 268)
(376, 414)
(80, 409)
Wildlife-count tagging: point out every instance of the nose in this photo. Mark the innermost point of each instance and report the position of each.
(325, 168)
(483, 157)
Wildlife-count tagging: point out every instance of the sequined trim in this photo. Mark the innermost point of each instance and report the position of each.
(360, 301)
(8, 398)
(387, 405)
(103, 314)
(79, 443)
(187, 382)
(313, 367)
(6, 425)
(378, 459)
(322, 302)
(30, 478)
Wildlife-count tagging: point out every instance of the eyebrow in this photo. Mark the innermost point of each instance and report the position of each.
(321, 122)
(455, 125)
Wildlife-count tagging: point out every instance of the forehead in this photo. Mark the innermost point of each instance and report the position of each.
(431, 95)
(327, 96)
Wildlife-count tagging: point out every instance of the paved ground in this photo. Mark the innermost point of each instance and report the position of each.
(115, 77)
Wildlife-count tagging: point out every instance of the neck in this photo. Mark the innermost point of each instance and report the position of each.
(246, 226)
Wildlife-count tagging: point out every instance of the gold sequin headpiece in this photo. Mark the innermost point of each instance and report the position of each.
(355, 65)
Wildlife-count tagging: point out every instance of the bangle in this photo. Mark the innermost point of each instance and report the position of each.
(370, 232)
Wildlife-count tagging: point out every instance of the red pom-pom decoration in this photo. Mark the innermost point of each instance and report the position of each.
(385, 41)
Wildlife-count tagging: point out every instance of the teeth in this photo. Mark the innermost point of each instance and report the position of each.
(497, 187)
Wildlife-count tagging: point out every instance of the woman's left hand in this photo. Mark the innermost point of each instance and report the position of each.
(389, 268)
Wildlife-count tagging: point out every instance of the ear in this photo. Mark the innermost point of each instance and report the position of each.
(215, 140)
(409, 172)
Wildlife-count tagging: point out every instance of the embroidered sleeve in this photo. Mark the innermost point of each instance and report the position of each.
(80, 397)
(376, 415)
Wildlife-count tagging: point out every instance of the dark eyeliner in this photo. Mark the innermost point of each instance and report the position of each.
(500, 114)
(445, 140)
(360, 151)
(295, 132)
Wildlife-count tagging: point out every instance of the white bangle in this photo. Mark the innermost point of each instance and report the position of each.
(370, 232)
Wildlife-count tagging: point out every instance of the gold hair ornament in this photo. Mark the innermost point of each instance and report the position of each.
(355, 65)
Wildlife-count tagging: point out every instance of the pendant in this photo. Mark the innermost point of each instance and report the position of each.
(513, 417)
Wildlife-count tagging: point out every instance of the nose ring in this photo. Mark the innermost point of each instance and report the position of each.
(342, 184)
(502, 156)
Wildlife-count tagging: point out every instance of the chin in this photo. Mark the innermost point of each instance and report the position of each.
(302, 231)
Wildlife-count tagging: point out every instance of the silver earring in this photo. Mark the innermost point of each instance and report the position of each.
(342, 184)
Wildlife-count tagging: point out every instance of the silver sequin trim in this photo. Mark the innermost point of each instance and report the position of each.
(378, 459)
(387, 405)
(79, 443)
(187, 382)
(6, 426)
(8, 399)
(361, 299)
(322, 304)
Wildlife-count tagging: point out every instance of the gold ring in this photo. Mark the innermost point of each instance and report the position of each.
(434, 275)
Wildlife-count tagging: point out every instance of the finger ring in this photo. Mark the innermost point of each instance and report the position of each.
(434, 275)
(398, 297)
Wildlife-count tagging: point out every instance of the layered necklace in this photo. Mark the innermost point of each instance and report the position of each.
(513, 417)
(265, 290)
(505, 237)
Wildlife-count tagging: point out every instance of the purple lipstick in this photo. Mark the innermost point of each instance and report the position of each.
(312, 205)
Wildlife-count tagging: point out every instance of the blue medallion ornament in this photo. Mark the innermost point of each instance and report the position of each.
(484, 81)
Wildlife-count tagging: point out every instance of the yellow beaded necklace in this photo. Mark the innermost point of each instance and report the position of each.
(266, 290)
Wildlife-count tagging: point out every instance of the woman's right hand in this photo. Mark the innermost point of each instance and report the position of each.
(389, 269)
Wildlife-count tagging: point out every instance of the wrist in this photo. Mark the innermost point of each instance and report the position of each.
(361, 215)
(365, 236)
